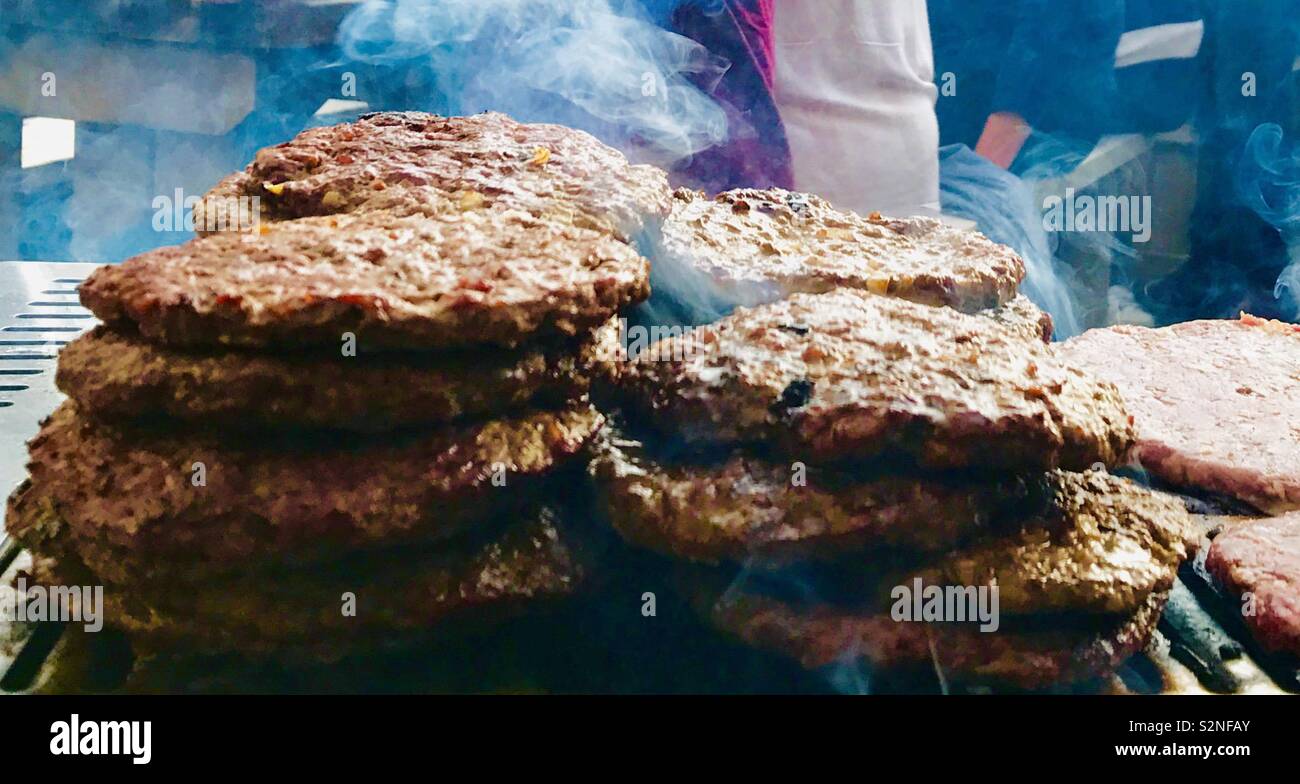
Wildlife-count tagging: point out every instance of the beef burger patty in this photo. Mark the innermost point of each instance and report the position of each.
(1103, 546)
(1261, 558)
(760, 245)
(296, 613)
(116, 374)
(139, 504)
(458, 279)
(1213, 402)
(1055, 651)
(401, 161)
(851, 376)
(748, 509)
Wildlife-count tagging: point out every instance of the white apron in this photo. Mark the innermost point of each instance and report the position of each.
(855, 90)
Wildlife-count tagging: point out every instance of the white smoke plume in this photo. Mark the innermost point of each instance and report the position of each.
(600, 65)
(1269, 183)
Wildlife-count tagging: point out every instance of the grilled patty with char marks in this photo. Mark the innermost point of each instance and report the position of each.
(454, 280)
(399, 161)
(823, 635)
(135, 510)
(114, 374)
(296, 613)
(1059, 542)
(1024, 318)
(852, 376)
(1104, 544)
(749, 509)
(759, 245)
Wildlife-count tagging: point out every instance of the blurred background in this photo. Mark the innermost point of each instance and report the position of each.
(116, 114)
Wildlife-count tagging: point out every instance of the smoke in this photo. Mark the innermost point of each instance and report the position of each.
(1003, 208)
(681, 294)
(1268, 181)
(849, 673)
(151, 118)
(109, 208)
(599, 65)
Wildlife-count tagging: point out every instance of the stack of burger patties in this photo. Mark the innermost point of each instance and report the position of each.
(889, 427)
(345, 426)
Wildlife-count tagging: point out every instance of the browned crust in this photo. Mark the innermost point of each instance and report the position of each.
(118, 375)
(1104, 546)
(747, 509)
(1024, 318)
(397, 595)
(132, 511)
(823, 636)
(458, 279)
(1086, 542)
(759, 243)
(399, 161)
(228, 206)
(849, 376)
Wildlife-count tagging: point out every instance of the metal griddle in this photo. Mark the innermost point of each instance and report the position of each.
(1201, 645)
(39, 313)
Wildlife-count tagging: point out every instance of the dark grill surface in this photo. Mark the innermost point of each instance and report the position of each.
(600, 643)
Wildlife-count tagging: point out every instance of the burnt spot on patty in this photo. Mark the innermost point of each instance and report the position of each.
(796, 394)
(875, 377)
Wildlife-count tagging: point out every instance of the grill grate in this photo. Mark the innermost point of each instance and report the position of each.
(40, 313)
(1201, 645)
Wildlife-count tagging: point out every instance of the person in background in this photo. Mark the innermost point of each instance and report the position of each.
(854, 86)
(1040, 84)
(756, 154)
(1034, 76)
(1076, 72)
(1250, 80)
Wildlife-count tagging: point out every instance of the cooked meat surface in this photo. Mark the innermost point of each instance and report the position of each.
(849, 376)
(1064, 542)
(822, 635)
(116, 374)
(229, 206)
(1023, 317)
(748, 509)
(397, 595)
(1213, 402)
(398, 161)
(1259, 562)
(761, 245)
(137, 504)
(458, 279)
(1104, 546)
